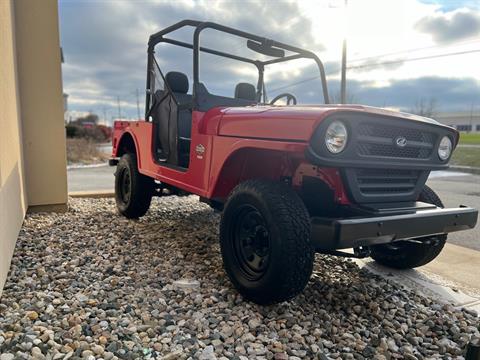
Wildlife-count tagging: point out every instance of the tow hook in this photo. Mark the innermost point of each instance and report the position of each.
(430, 241)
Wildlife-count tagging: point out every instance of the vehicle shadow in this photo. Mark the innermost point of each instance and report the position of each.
(336, 285)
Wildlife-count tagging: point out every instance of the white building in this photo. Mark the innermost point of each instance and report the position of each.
(462, 121)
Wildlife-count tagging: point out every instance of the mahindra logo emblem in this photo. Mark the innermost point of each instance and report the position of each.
(200, 150)
(401, 141)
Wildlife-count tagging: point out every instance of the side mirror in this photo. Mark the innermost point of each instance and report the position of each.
(265, 49)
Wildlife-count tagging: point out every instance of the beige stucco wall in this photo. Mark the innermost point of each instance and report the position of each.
(13, 202)
(32, 135)
(41, 100)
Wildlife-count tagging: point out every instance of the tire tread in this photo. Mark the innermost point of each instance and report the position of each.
(294, 221)
(141, 190)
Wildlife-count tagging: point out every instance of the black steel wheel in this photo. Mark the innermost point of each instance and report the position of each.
(251, 240)
(125, 182)
(133, 191)
(265, 241)
(411, 254)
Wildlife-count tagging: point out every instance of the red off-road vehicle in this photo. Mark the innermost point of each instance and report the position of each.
(290, 180)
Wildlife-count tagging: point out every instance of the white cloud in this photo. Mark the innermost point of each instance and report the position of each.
(105, 43)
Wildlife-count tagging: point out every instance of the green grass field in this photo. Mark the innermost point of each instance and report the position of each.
(470, 138)
(466, 156)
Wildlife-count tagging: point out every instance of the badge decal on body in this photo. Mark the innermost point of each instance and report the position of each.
(199, 150)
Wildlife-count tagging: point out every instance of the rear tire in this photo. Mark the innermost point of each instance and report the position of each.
(407, 254)
(133, 191)
(265, 241)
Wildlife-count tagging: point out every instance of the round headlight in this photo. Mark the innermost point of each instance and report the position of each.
(336, 137)
(445, 148)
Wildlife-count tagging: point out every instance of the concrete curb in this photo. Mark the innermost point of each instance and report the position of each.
(85, 166)
(468, 169)
(451, 278)
(95, 194)
(458, 264)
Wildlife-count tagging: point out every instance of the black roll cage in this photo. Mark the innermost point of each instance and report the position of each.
(199, 26)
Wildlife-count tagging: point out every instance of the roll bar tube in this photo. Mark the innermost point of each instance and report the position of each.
(200, 26)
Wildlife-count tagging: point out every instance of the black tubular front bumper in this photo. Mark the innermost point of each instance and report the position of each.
(331, 234)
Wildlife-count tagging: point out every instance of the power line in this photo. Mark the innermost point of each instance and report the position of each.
(297, 83)
(378, 64)
(414, 59)
(474, 40)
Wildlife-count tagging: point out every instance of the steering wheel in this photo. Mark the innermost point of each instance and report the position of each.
(289, 97)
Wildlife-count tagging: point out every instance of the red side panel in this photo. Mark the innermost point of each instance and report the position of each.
(231, 145)
(194, 180)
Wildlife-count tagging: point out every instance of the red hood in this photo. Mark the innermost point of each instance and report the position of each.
(290, 122)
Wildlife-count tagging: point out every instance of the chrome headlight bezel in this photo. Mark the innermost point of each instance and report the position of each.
(336, 137)
(445, 148)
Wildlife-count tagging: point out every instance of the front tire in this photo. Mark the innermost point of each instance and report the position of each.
(133, 191)
(265, 241)
(408, 254)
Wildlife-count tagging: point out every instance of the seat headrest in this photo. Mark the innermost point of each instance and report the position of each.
(245, 91)
(177, 81)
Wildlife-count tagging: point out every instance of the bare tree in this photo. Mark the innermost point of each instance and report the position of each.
(425, 107)
(349, 99)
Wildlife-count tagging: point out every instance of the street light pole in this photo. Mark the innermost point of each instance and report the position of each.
(343, 89)
(138, 104)
(119, 109)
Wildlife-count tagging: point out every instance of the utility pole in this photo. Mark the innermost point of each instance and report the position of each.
(119, 110)
(343, 89)
(138, 104)
(105, 116)
(471, 117)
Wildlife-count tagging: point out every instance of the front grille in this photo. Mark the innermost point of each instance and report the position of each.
(386, 181)
(370, 185)
(387, 158)
(379, 141)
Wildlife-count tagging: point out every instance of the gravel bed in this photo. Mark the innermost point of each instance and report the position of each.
(91, 284)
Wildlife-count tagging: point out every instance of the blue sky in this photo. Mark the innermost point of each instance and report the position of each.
(451, 5)
(396, 49)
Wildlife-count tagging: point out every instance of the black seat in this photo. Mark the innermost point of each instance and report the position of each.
(245, 91)
(178, 83)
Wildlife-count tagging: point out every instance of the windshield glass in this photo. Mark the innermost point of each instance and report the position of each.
(230, 64)
(298, 77)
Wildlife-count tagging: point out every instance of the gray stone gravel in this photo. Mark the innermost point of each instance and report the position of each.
(91, 284)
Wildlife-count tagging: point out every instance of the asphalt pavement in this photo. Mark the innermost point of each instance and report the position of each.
(454, 189)
(91, 178)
